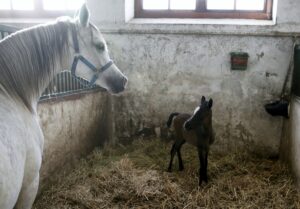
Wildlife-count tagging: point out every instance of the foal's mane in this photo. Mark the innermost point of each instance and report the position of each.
(29, 57)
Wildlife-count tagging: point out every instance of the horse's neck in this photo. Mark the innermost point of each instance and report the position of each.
(58, 68)
(39, 61)
(61, 64)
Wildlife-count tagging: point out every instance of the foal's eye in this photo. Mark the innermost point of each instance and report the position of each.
(100, 46)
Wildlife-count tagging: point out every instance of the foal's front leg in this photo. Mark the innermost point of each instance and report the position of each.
(202, 154)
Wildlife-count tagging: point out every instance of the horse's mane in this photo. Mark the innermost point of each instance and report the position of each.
(29, 57)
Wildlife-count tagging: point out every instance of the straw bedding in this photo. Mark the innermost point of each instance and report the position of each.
(133, 176)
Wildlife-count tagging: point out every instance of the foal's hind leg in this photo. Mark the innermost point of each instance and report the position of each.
(180, 163)
(202, 153)
(173, 151)
(176, 148)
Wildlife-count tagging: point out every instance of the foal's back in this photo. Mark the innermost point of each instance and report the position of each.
(181, 133)
(190, 136)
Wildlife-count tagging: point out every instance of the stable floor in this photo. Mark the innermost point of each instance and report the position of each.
(134, 176)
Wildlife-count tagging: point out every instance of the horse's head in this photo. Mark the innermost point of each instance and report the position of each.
(91, 58)
(201, 114)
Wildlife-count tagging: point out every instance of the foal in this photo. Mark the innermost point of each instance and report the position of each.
(197, 130)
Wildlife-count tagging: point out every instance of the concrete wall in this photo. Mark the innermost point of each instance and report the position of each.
(290, 144)
(170, 66)
(72, 127)
(170, 73)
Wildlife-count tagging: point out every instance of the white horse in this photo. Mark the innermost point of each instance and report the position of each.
(29, 59)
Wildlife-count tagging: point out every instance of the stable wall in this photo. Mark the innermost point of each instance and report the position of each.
(72, 126)
(171, 64)
(290, 144)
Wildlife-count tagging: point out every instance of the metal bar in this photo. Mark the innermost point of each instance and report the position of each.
(63, 84)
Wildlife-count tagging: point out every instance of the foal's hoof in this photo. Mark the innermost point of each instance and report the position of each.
(203, 182)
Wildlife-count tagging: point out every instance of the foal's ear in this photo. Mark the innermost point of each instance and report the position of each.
(202, 99)
(210, 103)
(84, 15)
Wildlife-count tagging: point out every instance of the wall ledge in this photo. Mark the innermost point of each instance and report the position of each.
(290, 30)
(182, 27)
(195, 21)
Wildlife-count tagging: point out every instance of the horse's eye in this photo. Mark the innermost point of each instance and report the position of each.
(100, 46)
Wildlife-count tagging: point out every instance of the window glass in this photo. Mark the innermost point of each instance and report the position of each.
(74, 4)
(22, 4)
(5, 4)
(54, 5)
(183, 5)
(250, 4)
(62, 4)
(155, 4)
(220, 4)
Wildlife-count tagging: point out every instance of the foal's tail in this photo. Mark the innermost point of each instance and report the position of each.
(172, 115)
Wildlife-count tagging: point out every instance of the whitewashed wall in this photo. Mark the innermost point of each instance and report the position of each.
(72, 127)
(171, 65)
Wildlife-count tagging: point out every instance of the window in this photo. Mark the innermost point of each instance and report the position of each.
(38, 8)
(238, 9)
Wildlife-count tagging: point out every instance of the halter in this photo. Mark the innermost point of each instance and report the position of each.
(78, 57)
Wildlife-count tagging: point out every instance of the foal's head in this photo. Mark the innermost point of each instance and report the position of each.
(201, 114)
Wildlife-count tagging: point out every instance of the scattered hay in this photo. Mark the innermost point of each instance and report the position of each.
(134, 177)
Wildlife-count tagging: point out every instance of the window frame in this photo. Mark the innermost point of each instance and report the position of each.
(37, 12)
(202, 12)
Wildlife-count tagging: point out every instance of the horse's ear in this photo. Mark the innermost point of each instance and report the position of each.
(84, 15)
(202, 99)
(76, 15)
(210, 103)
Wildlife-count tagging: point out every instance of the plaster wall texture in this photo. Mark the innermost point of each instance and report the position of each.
(170, 73)
(72, 128)
(170, 66)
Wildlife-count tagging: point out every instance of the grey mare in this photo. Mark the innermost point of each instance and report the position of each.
(29, 59)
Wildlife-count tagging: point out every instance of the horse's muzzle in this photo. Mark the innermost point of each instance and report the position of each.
(120, 86)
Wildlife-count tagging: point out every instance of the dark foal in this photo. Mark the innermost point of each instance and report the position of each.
(195, 129)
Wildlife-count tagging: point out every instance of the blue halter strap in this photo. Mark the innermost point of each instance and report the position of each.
(90, 65)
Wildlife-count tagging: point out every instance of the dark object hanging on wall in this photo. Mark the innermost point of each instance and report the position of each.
(296, 73)
(239, 60)
(281, 106)
(278, 108)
